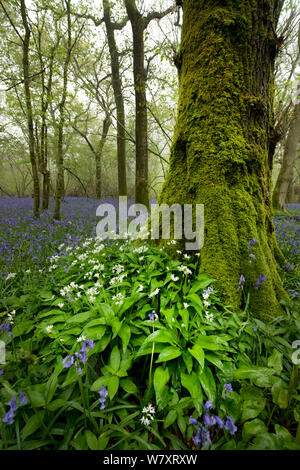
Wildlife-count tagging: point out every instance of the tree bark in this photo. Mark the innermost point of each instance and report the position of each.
(29, 114)
(59, 193)
(98, 156)
(139, 73)
(119, 99)
(223, 143)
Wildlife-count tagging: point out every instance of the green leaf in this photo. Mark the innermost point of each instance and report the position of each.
(251, 428)
(125, 334)
(280, 394)
(91, 440)
(188, 360)
(32, 424)
(160, 378)
(128, 386)
(212, 342)
(170, 419)
(252, 372)
(114, 359)
(161, 336)
(81, 317)
(192, 384)
(197, 352)
(275, 361)
(252, 408)
(169, 353)
(208, 384)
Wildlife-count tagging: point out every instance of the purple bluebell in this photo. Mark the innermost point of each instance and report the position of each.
(193, 421)
(208, 405)
(228, 387)
(103, 394)
(230, 426)
(23, 399)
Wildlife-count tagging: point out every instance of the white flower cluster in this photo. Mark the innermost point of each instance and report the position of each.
(117, 279)
(11, 317)
(117, 269)
(118, 298)
(140, 249)
(184, 269)
(153, 293)
(209, 316)
(11, 276)
(148, 414)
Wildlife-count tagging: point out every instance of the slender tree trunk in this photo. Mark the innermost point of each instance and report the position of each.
(297, 180)
(59, 193)
(98, 156)
(141, 136)
(35, 176)
(119, 99)
(285, 176)
(223, 143)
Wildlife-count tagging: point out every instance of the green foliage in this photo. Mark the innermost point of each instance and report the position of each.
(160, 338)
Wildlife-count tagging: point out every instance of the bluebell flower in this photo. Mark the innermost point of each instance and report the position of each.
(68, 362)
(228, 387)
(230, 426)
(219, 421)
(197, 438)
(193, 421)
(9, 417)
(208, 405)
(153, 316)
(103, 394)
(206, 437)
(23, 399)
(241, 282)
(1, 372)
(209, 420)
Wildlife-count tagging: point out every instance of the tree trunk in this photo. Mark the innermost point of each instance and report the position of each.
(138, 26)
(285, 176)
(119, 99)
(32, 155)
(98, 156)
(60, 187)
(223, 143)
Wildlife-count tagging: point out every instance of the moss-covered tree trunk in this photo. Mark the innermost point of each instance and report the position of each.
(223, 143)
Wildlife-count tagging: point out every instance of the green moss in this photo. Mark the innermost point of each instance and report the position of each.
(220, 153)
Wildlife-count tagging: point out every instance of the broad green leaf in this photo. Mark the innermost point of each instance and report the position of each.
(128, 386)
(91, 440)
(32, 424)
(160, 378)
(252, 408)
(251, 428)
(114, 360)
(169, 353)
(81, 317)
(252, 372)
(275, 361)
(212, 342)
(197, 352)
(170, 419)
(208, 384)
(125, 334)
